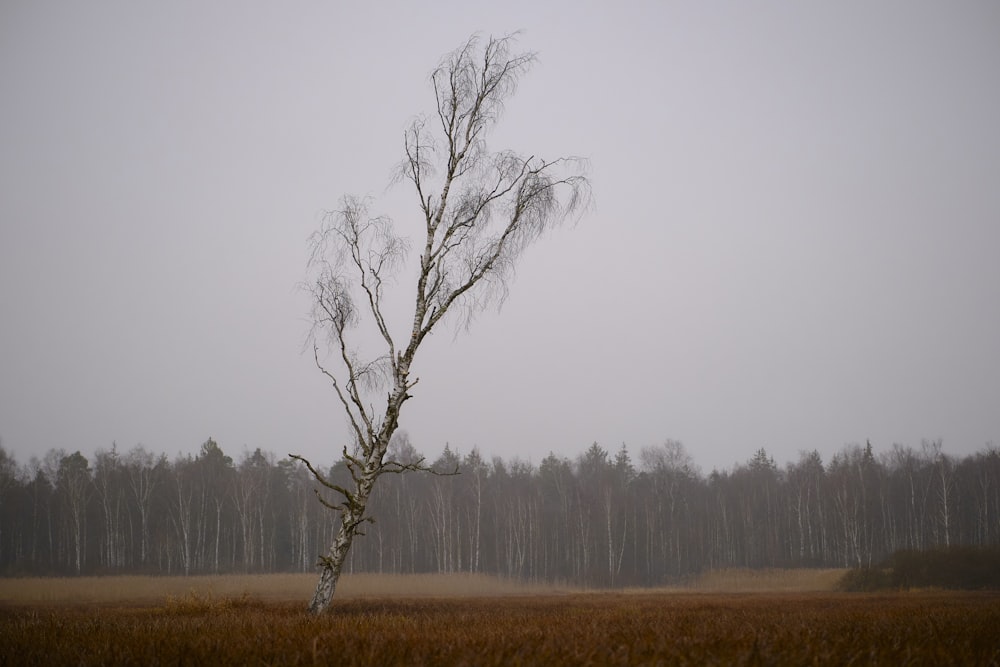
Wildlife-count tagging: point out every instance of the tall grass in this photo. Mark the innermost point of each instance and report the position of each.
(575, 629)
(742, 580)
(269, 587)
(138, 590)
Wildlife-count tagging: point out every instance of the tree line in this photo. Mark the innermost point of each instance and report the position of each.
(602, 519)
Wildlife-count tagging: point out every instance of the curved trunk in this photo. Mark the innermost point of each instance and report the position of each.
(332, 566)
(352, 516)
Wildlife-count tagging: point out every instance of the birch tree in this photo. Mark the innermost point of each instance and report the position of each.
(143, 471)
(478, 211)
(73, 483)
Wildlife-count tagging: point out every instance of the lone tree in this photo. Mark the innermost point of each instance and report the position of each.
(480, 210)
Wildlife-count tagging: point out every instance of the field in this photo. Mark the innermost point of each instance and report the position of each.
(733, 617)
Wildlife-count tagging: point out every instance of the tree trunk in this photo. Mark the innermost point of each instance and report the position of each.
(327, 584)
(332, 566)
(353, 514)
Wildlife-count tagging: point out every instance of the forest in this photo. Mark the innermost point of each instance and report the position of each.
(604, 519)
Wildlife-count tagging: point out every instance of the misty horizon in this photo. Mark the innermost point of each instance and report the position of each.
(793, 244)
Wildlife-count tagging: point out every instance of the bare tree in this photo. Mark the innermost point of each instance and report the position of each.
(143, 476)
(74, 483)
(479, 209)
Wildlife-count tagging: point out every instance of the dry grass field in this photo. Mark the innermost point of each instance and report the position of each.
(725, 618)
(139, 590)
(133, 590)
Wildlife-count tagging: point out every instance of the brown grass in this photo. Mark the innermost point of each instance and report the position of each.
(291, 587)
(741, 580)
(268, 587)
(572, 629)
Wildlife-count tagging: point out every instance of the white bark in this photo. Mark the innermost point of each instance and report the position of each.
(480, 210)
(142, 481)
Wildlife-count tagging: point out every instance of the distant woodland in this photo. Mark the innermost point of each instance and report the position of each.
(607, 518)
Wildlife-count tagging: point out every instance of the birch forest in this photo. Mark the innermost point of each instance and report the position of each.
(609, 517)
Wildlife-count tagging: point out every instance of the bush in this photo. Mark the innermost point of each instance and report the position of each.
(865, 580)
(963, 568)
(956, 568)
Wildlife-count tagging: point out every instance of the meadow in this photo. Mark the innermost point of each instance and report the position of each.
(731, 617)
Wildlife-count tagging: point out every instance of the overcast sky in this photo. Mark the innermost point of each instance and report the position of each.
(795, 242)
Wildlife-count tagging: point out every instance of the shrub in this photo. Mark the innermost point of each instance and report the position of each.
(865, 580)
(955, 568)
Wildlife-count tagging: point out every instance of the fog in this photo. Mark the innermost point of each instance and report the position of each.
(793, 243)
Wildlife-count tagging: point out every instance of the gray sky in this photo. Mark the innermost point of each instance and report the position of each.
(794, 243)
